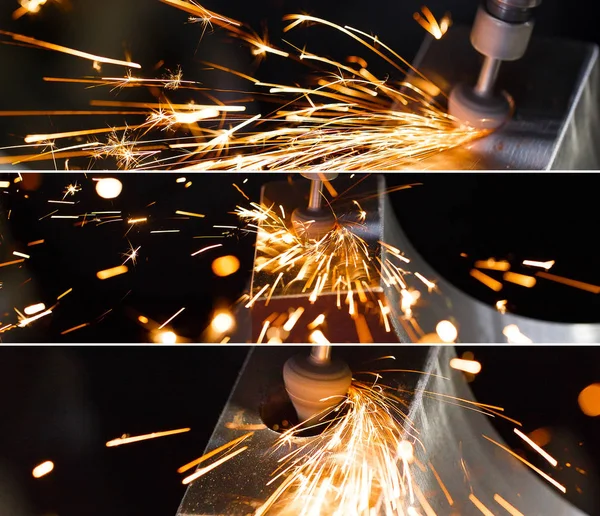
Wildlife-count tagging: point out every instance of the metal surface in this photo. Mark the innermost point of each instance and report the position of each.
(556, 91)
(452, 438)
(476, 321)
(291, 196)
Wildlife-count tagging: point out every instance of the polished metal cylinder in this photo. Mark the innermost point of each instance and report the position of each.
(487, 77)
(320, 354)
(499, 39)
(314, 197)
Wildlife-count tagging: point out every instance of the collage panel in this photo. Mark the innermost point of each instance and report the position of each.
(398, 258)
(212, 430)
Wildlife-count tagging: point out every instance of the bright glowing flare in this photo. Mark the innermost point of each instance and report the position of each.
(42, 469)
(222, 322)
(109, 188)
(446, 331)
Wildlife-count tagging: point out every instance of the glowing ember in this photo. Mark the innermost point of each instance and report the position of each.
(127, 439)
(166, 337)
(430, 24)
(225, 266)
(446, 331)
(468, 366)
(589, 400)
(111, 273)
(317, 337)
(109, 188)
(514, 336)
(42, 469)
(222, 322)
(34, 309)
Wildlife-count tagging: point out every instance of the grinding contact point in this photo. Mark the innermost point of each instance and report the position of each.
(312, 224)
(315, 387)
(482, 112)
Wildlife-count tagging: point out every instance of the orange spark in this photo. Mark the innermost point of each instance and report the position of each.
(493, 265)
(468, 366)
(34, 309)
(501, 305)
(13, 262)
(431, 25)
(538, 471)
(109, 273)
(205, 470)
(190, 214)
(222, 322)
(317, 337)
(594, 289)
(291, 322)
(488, 281)
(64, 294)
(208, 248)
(225, 266)
(75, 328)
(171, 318)
(479, 504)
(519, 279)
(27, 320)
(42, 469)
(362, 330)
(589, 400)
(509, 508)
(446, 331)
(320, 319)
(214, 452)
(66, 50)
(127, 440)
(444, 488)
(544, 265)
(542, 452)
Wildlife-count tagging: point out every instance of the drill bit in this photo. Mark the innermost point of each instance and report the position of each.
(320, 354)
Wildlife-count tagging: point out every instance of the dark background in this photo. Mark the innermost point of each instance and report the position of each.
(64, 404)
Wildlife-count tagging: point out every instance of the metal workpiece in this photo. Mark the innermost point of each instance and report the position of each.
(292, 196)
(451, 440)
(555, 90)
(476, 322)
